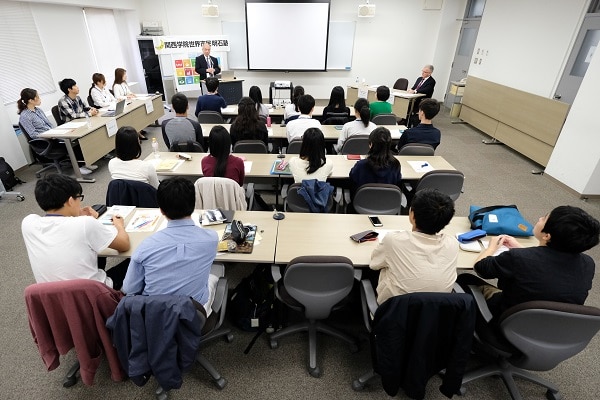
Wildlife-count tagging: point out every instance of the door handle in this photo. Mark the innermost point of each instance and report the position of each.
(557, 96)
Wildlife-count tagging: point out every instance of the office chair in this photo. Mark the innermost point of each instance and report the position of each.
(293, 201)
(385, 119)
(415, 336)
(210, 117)
(416, 149)
(91, 102)
(449, 182)
(314, 285)
(48, 152)
(189, 146)
(378, 199)
(131, 193)
(401, 84)
(335, 118)
(57, 116)
(356, 144)
(72, 314)
(191, 325)
(223, 193)
(294, 146)
(532, 336)
(250, 146)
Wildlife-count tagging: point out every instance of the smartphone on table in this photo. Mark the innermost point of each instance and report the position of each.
(375, 221)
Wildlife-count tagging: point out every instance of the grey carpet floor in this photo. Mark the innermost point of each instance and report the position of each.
(494, 175)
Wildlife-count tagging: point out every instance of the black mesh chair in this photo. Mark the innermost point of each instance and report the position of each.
(532, 336)
(91, 102)
(57, 116)
(49, 152)
(314, 285)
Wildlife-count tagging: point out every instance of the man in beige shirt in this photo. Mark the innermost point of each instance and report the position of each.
(422, 260)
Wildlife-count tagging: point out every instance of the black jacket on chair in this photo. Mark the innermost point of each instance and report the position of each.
(131, 193)
(416, 335)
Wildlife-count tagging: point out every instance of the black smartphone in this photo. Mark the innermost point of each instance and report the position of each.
(375, 220)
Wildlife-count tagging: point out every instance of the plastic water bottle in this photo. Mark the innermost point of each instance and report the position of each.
(88, 120)
(269, 121)
(155, 148)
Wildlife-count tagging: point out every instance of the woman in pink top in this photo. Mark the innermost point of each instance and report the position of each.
(220, 162)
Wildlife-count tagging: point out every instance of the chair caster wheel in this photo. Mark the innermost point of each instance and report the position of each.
(229, 338)
(354, 348)
(315, 372)
(357, 385)
(69, 381)
(462, 391)
(273, 344)
(161, 394)
(550, 395)
(221, 383)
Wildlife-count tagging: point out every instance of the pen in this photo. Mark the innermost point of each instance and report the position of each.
(424, 165)
(143, 224)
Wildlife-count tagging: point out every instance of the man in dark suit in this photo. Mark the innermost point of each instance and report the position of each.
(424, 84)
(206, 65)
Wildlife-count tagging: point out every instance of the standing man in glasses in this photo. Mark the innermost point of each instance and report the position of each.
(207, 65)
(64, 243)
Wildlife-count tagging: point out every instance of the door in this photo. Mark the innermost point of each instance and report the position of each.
(586, 43)
(463, 56)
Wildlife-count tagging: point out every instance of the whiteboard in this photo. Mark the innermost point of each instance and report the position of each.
(339, 48)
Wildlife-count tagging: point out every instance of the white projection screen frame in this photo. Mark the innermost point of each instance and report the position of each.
(287, 36)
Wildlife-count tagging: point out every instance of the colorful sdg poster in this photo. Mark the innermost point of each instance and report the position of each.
(185, 70)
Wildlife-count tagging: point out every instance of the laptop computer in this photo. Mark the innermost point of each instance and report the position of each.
(227, 75)
(118, 109)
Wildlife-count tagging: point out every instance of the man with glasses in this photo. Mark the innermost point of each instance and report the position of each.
(64, 243)
(425, 84)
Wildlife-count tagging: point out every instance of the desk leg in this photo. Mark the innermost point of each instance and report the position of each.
(410, 109)
(75, 164)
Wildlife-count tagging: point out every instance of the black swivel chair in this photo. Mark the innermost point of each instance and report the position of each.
(449, 182)
(57, 116)
(210, 117)
(294, 146)
(190, 146)
(314, 285)
(378, 199)
(250, 146)
(532, 336)
(293, 201)
(131, 193)
(335, 119)
(401, 84)
(416, 149)
(385, 119)
(91, 102)
(356, 144)
(48, 152)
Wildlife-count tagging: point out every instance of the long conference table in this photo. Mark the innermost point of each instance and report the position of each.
(258, 166)
(98, 140)
(298, 234)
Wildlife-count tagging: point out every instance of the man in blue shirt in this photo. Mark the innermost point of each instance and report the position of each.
(177, 259)
(211, 101)
(425, 132)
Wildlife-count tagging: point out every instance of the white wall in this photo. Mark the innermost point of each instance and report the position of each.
(575, 160)
(397, 42)
(527, 42)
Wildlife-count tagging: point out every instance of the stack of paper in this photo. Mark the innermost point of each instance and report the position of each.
(122, 211)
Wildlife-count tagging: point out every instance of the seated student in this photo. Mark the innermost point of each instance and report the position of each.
(127, 163)
(120, 87)
(256, 95)
(380, 166)
(291, 110)
(181, 128)
(381, 106)
(62, 248)
(70, 105)
(177, 259)
(360, 126)
(99, 93)
(295, 128)
(220, 161)
(311, 162)
(420, 260)
(212, 101)
(555, 270)
(425, 132)
(247, 125)
(337, 103)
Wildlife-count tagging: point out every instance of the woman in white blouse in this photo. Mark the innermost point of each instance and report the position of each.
(99, 93)
(311, 163)
(127, 163)
(120, 87)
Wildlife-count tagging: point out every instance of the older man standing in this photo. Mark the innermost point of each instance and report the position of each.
(207, 65)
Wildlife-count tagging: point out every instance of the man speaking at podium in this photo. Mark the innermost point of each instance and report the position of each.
(206, 65)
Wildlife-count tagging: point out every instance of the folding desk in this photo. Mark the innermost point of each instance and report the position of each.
(403, 101)
(95, 142)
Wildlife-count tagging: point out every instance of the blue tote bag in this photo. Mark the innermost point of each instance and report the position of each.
(500, 220)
